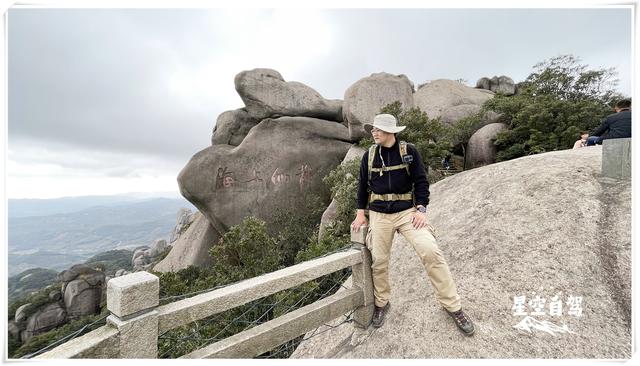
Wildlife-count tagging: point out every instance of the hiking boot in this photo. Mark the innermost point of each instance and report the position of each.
(379, 314)
(462, 321)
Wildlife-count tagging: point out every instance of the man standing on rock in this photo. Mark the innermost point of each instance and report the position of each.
(390, 184)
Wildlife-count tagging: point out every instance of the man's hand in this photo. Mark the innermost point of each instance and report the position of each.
(419, 220)
(359, 221)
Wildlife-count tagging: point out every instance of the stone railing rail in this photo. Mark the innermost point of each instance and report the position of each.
(136, 319)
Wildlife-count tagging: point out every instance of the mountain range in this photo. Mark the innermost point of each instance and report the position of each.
(61, 232)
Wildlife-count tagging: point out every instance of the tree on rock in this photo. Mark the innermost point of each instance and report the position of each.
(560, 98)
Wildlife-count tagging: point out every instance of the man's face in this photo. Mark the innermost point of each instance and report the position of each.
(381, 137)
(584, 136)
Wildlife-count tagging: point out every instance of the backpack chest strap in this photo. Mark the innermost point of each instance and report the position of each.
(389, 168)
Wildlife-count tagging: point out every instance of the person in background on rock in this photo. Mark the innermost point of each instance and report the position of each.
(446, 164)
(615, 126)
(583, 140)
(389, 186)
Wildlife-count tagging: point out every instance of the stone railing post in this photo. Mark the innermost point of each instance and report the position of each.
(362, 279)
(616, 158)
(132, 300)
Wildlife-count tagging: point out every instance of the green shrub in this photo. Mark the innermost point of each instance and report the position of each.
(557, 101)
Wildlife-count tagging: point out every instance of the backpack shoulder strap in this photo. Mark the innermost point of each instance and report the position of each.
(403, 148)
(403, 152)
(372, 155)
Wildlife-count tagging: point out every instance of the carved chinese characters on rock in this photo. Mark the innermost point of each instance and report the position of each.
(227, 179)
(224, 178)
(304, 176)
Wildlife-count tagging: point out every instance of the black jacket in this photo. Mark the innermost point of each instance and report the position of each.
(616, 126)
(395, 181)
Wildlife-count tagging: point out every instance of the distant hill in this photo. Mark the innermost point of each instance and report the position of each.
(35, 279)
(59, 240)
(28, 281)
(44, 207)
(112, 260)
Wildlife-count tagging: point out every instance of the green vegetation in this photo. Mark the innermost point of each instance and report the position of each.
(37, 299)
(28, 281)
(247, 250)
(111, 261)
(558, 100)
(42, 340)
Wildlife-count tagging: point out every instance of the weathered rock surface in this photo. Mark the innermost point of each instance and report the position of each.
(266, 94)
(366, 97)
(158, 247)
(276, 165)
(232, 127)
(20, 314)
(55, 295)
(192, 248)
(74, 271)
(498, 84)
(121, 272)
(355, 152)
(43, 320)
(184, 219)
(546, 223)
(439, 96)
(82, 296)
(481, 150)
(13, 329)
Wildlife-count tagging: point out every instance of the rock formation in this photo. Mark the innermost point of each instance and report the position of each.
(450, 100)
(547, 224)
(184, 219)
(330, 213)
(46, 318)
(191, 248)
(266, 94)
(366, 97)
(277, 164)
(82, 290)
(480, 149)
(497, 84)
(232, 127)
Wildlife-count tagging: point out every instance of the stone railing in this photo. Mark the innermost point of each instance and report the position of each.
(136, 319)
(616, 158)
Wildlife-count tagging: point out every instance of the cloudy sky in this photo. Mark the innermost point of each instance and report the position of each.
(104, 101)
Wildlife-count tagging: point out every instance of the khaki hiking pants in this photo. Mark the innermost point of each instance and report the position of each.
(381, 230)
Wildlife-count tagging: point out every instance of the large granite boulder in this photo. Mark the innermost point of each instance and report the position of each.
(232, 127)
(366, 97)
(191, 248)
(266, 94)
(46, 318)
(55, 295)
(75, 271)
(13, 329)
(141, 257)
(21, 313)
(121, 272)
(438, 96)
(157, 248)
(276, 165)
(184, 219)
(480, 149)
(497, 84)
(329, 215)
(543, 225)
(82, 295)
(454, 114)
